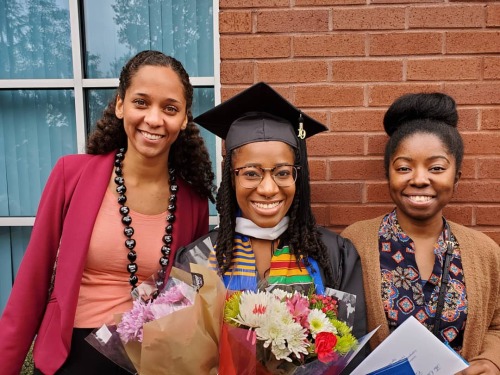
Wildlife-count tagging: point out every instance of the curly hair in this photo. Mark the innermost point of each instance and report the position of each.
(302, 235)
(423, 113)
(188, 154)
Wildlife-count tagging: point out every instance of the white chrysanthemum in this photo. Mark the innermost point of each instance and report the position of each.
(254, 308)
(319, 322)
(296, 339)
(273, 333)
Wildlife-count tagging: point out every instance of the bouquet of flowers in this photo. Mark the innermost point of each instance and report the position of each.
(155, 335)
(285, 333)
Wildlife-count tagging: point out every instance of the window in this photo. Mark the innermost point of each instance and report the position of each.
(59, 65)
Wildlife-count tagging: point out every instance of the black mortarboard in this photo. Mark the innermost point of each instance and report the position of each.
(258, 114)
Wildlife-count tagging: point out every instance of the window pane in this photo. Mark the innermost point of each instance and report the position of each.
(203, 100)
(13, 243)
(35, 39)
(115, 30)
(36, 128)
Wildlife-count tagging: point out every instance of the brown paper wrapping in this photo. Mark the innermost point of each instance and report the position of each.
(186, 341)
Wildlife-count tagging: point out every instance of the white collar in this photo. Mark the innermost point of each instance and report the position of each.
(249, 228)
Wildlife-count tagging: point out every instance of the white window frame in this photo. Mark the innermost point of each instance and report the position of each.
(80, 84)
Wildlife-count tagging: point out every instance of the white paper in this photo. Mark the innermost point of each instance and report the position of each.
(103, 334)
(427, 355)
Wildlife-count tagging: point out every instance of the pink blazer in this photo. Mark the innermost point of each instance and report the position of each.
(65, 219)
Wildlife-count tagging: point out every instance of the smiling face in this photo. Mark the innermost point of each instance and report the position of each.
(268, 203)
(153, 111)
(422, 179)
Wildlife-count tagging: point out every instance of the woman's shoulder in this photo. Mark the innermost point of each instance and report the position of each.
(363, 227)
(190, 193)
(80, 160)
(331, 238)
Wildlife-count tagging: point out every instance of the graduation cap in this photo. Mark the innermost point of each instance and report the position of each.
(258, 114)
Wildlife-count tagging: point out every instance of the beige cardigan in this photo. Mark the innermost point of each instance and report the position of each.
(481, 265)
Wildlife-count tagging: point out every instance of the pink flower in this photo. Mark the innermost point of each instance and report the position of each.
(175, 298)
(130, 327)
(298, 306)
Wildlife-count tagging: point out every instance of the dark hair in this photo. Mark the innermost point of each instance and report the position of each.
(424, 113)
(301, 236)
(188, 153)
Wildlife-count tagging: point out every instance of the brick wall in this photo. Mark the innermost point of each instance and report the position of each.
(344, 61)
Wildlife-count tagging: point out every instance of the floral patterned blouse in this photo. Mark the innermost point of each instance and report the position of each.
(404, 293)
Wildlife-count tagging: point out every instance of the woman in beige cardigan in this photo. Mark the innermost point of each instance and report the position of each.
(407, 253)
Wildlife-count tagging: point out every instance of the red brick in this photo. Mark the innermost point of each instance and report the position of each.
(336, 192)
(321, 214)
(241, 47)
(482, 143)
(292, 71)
(474, 93)
(446, 16)
(444, 69)
(331, 144)
(490, 168)
(458, 214)
(406, 43)
(384, 95)
(348, 214)
(377, 192)
(492, 67)
(292, 20)
(377, 142)
(320, 116)
(357, 169)
(368, 18)
(404, 1)
(493, 15)
(235, 22)
(492, 233)
(468, 119)
(357, 120)
(477, 191)
(317, 170)
(367, 71)
(490, 118)
(230, 91)
(236, 72)
(253, 3)
(329, 96)
(472, 42)
(469, 167)
(329, 45)
(488, 215)
(328, 2)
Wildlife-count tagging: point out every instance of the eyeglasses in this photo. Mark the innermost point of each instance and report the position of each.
(250, 177)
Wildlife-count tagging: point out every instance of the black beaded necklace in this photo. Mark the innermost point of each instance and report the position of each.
(129, 231)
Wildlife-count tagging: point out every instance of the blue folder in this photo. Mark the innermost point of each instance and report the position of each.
(401, 367)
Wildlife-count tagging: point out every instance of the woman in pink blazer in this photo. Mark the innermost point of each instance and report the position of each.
(111, 218)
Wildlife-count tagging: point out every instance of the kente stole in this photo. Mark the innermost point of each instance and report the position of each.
(284, 271)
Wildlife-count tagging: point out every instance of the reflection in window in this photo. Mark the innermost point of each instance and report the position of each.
(35, 39)
(13, 243)
(37, 127)
(115, 30)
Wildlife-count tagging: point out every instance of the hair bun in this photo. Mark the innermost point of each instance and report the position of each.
(422, 106)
